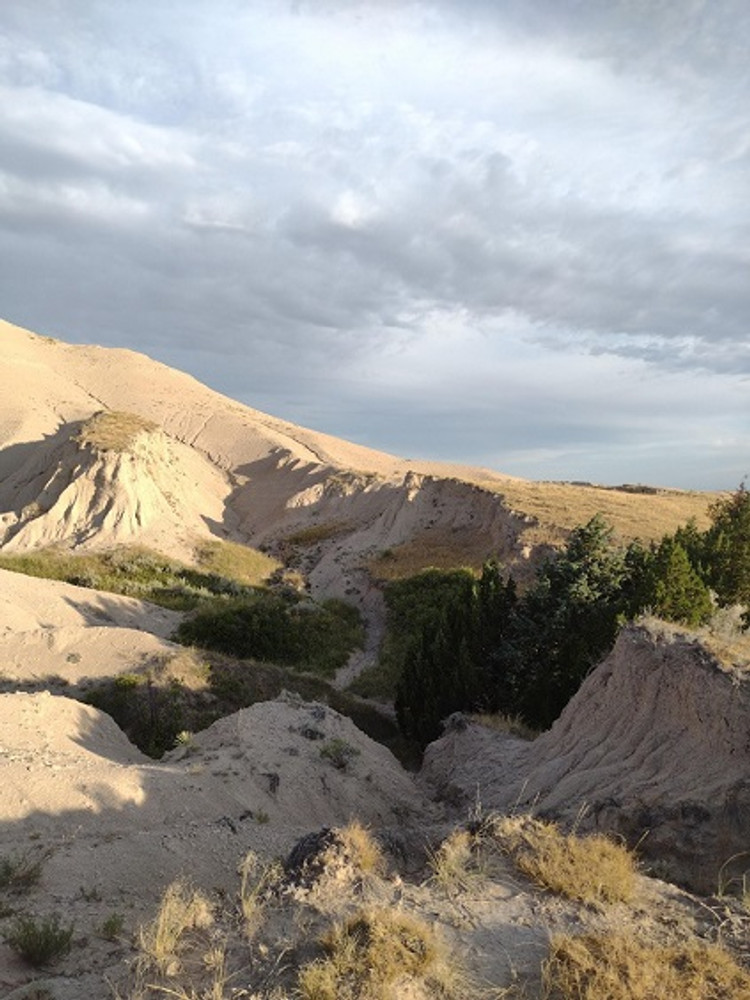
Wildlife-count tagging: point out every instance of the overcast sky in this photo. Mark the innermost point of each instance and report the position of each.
(504, 232)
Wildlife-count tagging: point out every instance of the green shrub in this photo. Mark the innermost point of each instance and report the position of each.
(19, 872)
(40, 942)
(339, 752)
(113, 927)
(276, 629)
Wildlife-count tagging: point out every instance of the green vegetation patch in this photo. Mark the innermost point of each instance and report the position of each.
(279, 629)
(415, 606)
(41, 941)
(192, 690)
(143, 573)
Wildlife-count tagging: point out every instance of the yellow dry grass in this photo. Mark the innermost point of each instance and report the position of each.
(557, 508)
(455, 866)
(113, 430)
(182, 909)
(513, 725)
(317, 533)
(728, 643)
(256, 882)
(591, 869)
(361, 849)
(432, 549)
(633, 514)
(374, 953)
(618, 966)
(236, 562)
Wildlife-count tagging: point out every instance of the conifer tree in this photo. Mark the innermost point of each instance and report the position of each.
(677, 591)
(727, 549)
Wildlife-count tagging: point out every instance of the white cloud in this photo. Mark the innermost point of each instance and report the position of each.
(537, 219)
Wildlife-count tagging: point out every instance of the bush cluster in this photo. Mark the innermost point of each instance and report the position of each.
(277, 629)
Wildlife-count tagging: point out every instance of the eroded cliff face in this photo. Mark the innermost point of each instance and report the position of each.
(655, 746)
(68, 492)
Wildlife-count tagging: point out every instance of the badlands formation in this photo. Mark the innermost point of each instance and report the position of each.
(653, 748)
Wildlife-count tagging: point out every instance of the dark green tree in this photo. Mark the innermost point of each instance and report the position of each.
(675, 590)
(568, 620)
(727, 549)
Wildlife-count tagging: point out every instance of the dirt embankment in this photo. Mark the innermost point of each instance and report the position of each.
(654, 747)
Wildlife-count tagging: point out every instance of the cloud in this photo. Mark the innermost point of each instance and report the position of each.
(410, 223)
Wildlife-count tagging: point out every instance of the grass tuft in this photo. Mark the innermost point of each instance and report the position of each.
(361, 849)
(182, 909)
(40, 942)
(619, 967)
(455, 865)
(339, 752)
(113, 430)
(19, 872)
(371, 954)
(256, 883)
(513, 725)
(593, 869)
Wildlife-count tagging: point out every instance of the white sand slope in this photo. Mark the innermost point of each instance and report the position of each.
(69, 493)
(211, 467)
(50, 630)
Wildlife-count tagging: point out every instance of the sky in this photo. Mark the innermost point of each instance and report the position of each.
(510, 233)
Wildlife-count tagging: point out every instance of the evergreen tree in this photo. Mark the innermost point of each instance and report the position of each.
(677, 592)
(568, 619)
(727, 549)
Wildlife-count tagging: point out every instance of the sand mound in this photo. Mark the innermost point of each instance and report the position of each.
(119, 827)
(111, 481)
(653, 746)
(50, 629)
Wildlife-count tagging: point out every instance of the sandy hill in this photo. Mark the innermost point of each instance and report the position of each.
(111, 829)
(169, 461)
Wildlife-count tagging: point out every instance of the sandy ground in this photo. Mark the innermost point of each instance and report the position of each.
(55, 631)
(116, 827)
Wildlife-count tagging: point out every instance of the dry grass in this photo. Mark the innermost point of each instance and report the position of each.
(361, 849)
(318, 533)
(182, 910)
(374, 954)
(236, 562)
(256, 882)
(431, 550)
(619, 967)
(186, 667)
(591, 869)
(723, 637)
(113, 430)
(513, 725)
(455, 866)
(633, 514)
